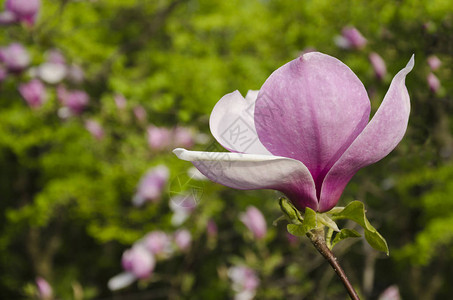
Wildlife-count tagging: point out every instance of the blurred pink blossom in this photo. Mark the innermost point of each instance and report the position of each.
(433, 82)
(350, 38)
(140, 113)
(44, 289)
(24, 10)
(75, 100)
(379, 67)
(158, 242)
(151, 185)
(391, 293)
(159, 138)
(245, 282)
(15, 57)
(434, 62)
(34, 93)
(94, 128)
(182, 239)
(120, 101)
(255, 222)
(139, 261)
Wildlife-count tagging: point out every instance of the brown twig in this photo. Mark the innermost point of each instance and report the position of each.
(317, 238)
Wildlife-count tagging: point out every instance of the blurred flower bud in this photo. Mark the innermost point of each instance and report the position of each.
(7, 17)
(24, 10)
(75, 74)
(140, 113)
(3, 73)
(292, 239)
(182, 239)
(121, 281)
(159, 138)
(15, 57)
(95, 129)
(34, 93)
(433, 82)
(151, 185)
(211, 228)
(255, 222)
(434, 62)
(55, 56)
(350, 38)
(120, 101)
(378, 64)
(51, 73)
(182, 206)
(75, 100)
(391, 293)
(44, 289)
(245, 282)
(139, 261)
(195, 174)
(182, 138)
(158, 242)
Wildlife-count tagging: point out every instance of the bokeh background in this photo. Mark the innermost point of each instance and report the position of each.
(117, 84)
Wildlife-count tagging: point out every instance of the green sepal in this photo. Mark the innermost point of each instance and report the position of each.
(292, 214)
(355, 211)
(344, 234)
(309, 223)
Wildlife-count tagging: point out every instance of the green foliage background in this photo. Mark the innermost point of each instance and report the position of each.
(66, 211)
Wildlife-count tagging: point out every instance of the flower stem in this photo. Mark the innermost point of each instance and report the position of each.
(317, 238)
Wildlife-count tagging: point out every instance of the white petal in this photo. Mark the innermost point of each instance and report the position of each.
(254, 171)
(233, 126)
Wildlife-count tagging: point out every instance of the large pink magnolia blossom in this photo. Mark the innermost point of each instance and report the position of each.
(305, 134)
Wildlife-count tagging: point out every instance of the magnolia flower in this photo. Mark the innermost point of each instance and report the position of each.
(34, 93)
(378, 64)
(245, 282)
(24, 10)
(44, 289)
(306, 133)
(151, 185)
(15, 57)
(95, 129)
(182, 239)
(350, 38)
(75, 74)
(434, 62)
(255, 222)
(433, 82)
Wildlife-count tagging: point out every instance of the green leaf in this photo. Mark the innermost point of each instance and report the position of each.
(355, 211)
(308, 224)
(344, 234)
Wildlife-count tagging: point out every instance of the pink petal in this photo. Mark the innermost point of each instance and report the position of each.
(252, 172)
(381, 136)
(311, 109)
(232, 124)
